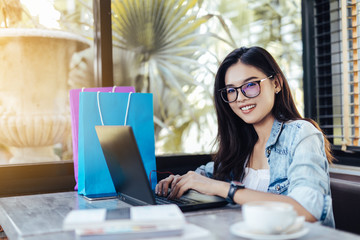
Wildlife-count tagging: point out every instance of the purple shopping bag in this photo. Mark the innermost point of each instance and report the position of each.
(74, 109)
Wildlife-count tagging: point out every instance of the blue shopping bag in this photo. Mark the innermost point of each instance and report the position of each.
(74, 110)
(104, 108)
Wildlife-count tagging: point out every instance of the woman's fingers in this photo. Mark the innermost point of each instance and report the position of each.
(191, 180)
(176, 179)
(180, 186)
(162, 188)
(163, 185)
(174, 192)
(180, 191)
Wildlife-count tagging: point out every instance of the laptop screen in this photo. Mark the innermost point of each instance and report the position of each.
(129, 176)
(125, 164)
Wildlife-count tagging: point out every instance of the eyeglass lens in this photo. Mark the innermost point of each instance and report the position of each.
(250, 90)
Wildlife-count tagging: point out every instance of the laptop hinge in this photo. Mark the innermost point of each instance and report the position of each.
(131, 200)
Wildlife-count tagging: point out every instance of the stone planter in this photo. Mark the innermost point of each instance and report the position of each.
(34, 108)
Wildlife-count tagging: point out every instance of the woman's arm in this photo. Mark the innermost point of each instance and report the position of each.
(192, 180)
(247, 195)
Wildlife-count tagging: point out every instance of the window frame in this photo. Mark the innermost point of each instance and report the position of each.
(47, 177)
(103, 64)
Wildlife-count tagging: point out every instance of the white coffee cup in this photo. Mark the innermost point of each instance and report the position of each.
(266, 217)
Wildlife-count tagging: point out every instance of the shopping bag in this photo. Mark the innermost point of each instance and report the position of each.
(74, 110)
(100, 108)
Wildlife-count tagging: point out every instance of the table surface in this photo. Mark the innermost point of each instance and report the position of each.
(41, 216)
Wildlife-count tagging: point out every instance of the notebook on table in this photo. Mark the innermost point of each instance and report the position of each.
(129, 177)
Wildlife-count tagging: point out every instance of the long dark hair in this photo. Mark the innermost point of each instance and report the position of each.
(236, 138)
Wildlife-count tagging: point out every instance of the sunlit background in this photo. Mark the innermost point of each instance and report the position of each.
(45, 12)
(177, 65)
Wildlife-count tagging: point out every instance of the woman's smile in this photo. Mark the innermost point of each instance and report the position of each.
(247, 108)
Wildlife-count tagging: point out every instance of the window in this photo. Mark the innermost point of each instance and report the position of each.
(173, 51)
(332, 86)
(181, 77)
(45, 51)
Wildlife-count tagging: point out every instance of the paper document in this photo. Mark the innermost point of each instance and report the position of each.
(134, 222)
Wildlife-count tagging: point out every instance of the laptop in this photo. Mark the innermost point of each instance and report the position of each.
(129, 176)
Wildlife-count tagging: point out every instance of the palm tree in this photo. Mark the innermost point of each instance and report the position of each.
(159, 43)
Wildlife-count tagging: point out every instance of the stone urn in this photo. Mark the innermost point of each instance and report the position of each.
(34, 91)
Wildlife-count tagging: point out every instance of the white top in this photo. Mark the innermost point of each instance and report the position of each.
(257, 179)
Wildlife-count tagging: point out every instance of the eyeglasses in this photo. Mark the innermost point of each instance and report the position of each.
(249, 90)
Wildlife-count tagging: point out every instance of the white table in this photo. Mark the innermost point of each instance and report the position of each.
(41, 216)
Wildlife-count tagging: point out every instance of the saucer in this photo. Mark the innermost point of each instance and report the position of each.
(239, 229)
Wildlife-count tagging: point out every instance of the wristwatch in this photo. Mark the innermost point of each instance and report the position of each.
(234, 186)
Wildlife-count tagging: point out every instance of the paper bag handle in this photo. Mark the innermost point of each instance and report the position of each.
(113, 89)
(127, 108)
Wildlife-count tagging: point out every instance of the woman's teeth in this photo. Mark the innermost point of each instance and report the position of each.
(247, 107)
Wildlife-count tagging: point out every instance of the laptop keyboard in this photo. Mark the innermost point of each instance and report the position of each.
(178, 201)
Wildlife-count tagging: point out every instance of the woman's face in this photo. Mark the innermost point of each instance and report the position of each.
(251, 110)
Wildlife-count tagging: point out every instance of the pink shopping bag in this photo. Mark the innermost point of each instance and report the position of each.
(74, 109)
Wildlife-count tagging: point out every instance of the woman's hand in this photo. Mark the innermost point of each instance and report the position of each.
(162, 188)
(191, 180)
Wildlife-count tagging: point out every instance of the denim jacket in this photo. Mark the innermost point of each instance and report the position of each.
(298, 167)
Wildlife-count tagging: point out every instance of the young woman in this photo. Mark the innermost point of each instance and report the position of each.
(263, 143)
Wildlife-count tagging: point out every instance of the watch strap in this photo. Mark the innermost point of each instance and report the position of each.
(232, 190)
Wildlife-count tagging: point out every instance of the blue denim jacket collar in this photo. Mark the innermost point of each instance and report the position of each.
(274, 135)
